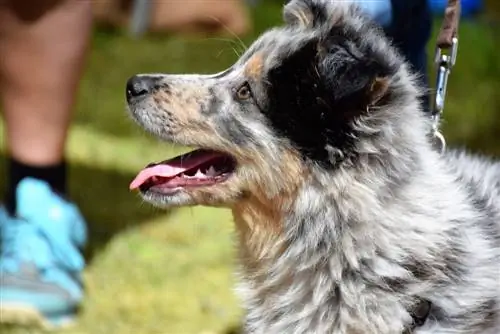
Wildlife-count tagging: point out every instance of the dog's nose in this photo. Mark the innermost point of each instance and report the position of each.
(139, 85)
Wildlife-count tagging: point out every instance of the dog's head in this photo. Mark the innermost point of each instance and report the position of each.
(309, 94)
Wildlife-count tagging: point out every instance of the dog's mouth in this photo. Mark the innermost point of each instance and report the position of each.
(198, 168)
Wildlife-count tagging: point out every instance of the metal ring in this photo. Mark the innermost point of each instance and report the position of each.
(439, 142)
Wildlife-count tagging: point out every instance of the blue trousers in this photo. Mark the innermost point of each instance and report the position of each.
(408, 23)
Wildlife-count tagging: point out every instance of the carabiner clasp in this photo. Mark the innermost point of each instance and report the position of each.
(444, 63)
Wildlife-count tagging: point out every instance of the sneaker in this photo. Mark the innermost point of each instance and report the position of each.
(40, 259)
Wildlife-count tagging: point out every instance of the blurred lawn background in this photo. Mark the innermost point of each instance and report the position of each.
(152, 271)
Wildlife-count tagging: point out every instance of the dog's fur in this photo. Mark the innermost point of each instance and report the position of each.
(346, 216)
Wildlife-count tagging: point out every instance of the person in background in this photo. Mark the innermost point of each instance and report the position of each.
(43, 46)
(226, 17)
(408, 23)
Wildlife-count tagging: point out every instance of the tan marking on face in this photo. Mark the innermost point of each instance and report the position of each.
(254, 67)
(378, 89)
(183, 106)
(183, 103)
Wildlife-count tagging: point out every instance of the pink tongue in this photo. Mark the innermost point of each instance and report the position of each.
(173, 167)
(158, 170)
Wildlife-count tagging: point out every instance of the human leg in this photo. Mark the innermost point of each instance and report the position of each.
(43, 46)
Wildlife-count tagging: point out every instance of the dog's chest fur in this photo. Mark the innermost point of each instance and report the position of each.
(295, 284)
(349, 264)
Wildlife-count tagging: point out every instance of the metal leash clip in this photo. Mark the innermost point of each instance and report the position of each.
(444, 63)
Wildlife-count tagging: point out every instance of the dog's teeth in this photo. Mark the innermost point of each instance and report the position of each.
(211, 171)
(199, 174)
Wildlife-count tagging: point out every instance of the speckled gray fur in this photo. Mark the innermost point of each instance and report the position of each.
(368, 239)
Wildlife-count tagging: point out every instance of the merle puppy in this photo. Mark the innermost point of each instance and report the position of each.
(348, 221)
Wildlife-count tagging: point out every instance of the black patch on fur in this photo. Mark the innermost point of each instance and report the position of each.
(477, 319)
(453, 267)
(233, 130)
(393, 284)
(446, 266)
(316, 93)
(162, 86)
(387, 283)
(229, 128)
(213, 105)
(489, 311)
(489, 223)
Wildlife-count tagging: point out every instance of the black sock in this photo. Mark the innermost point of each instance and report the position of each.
(54, 175)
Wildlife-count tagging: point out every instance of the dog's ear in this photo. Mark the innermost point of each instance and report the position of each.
(318, 13)
(305, 13)
(355, 80)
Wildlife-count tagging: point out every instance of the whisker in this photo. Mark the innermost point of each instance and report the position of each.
(242, 44)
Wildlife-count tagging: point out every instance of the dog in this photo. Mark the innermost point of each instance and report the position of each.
(347, 218)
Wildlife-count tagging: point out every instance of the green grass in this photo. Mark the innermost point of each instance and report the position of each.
(171, 272)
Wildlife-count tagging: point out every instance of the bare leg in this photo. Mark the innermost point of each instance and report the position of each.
(42, 50)
(42, 55)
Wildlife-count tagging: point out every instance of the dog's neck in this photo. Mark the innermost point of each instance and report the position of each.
(316, 252)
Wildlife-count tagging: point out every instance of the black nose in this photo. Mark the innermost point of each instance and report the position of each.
(139, 85)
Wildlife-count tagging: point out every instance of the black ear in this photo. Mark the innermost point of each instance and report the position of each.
(305, 13)
(354, 79)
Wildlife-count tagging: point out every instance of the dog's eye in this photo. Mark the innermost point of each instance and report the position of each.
(244, 92)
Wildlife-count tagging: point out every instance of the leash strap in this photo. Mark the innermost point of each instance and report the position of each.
(447, 39)
(449, 28)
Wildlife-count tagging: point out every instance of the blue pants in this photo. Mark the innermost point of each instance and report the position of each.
(408, 23)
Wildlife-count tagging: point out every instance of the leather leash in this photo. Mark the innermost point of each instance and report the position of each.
(449, 28)
(447, 40)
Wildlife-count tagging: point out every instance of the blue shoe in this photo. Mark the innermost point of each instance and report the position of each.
(40, 260)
